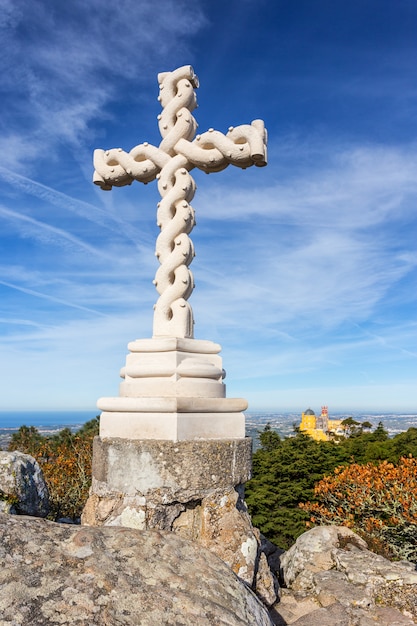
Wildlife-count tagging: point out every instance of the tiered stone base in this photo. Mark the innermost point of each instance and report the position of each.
(172, 390)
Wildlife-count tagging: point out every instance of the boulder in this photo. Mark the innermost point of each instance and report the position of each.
(23, 490)
(58, 574)
(313, 552)
(330, 577)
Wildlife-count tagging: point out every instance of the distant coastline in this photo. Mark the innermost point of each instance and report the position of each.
(50, 422)
(12, 419)
(47, 422)
(283, 423)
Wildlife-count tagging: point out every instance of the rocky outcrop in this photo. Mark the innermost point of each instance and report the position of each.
(331, 578)
(192, 488)
(57, 574)
(22, 487)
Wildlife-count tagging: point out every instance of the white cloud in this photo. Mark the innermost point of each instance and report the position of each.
(345, 187)
(60, 76)
(316, 250)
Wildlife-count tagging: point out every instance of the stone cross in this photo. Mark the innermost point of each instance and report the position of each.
(172, 452)
(178, 153)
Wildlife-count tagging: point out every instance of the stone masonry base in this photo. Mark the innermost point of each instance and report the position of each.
(193, 488)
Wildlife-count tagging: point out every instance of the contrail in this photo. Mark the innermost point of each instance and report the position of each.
(38, 294)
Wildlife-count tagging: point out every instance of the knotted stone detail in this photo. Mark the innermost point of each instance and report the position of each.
(174, 250)
(178, 153)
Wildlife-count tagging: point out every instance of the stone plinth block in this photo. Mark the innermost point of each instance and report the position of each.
(173, 426)
(172, 418)
(169, 471)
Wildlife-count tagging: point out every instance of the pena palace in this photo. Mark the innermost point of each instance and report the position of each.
(321, 427)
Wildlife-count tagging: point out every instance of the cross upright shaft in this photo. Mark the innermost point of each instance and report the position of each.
(178, 153)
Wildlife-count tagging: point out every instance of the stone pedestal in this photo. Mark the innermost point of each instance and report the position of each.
(172, 454)
(173, 390)
(194, 488)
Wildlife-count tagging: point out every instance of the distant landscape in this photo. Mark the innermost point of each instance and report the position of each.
(363, 479)
(51, 422)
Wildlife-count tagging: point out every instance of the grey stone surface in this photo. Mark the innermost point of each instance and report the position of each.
(332, 578)
(22, 487)
(193, 488)
(313, 552)
(56, 574)
(170, 471)
(266, 583)
(334, 615)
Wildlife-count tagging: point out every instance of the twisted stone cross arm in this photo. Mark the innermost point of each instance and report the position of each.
(178, 153)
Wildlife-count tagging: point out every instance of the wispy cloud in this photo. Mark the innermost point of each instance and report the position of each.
(42, 230)
(86, 210)
(319, 248)
(348, 187)
(37, 294)
(62, 77)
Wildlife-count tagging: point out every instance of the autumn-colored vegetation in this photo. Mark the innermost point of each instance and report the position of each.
(366, 481)
(377, 501)
(66, 460)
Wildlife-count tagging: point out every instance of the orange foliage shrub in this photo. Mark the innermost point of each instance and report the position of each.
(66, 461)
(67, 470)
(377, 501)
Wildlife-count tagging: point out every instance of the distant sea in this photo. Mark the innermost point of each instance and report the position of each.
(50, 422)
(47, 422)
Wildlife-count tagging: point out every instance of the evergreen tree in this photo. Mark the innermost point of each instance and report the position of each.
(285, 472)
(269, 439)
(90, 428)
(26, 440)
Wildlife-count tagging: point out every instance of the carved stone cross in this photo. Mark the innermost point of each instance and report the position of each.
(178, 153)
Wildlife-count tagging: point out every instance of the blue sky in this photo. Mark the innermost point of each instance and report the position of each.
(305, 270)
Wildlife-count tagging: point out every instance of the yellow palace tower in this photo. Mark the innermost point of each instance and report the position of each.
(320, 427)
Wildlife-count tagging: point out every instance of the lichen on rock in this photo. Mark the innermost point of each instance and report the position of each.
(22, 486)
(58, 574)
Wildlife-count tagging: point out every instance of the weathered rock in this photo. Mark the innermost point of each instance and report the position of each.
(58, 574)
(266, 583)
(334, 615)
(193, 488)
(332, 578)
(312, 552)
(22, 487)
(226, 529)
